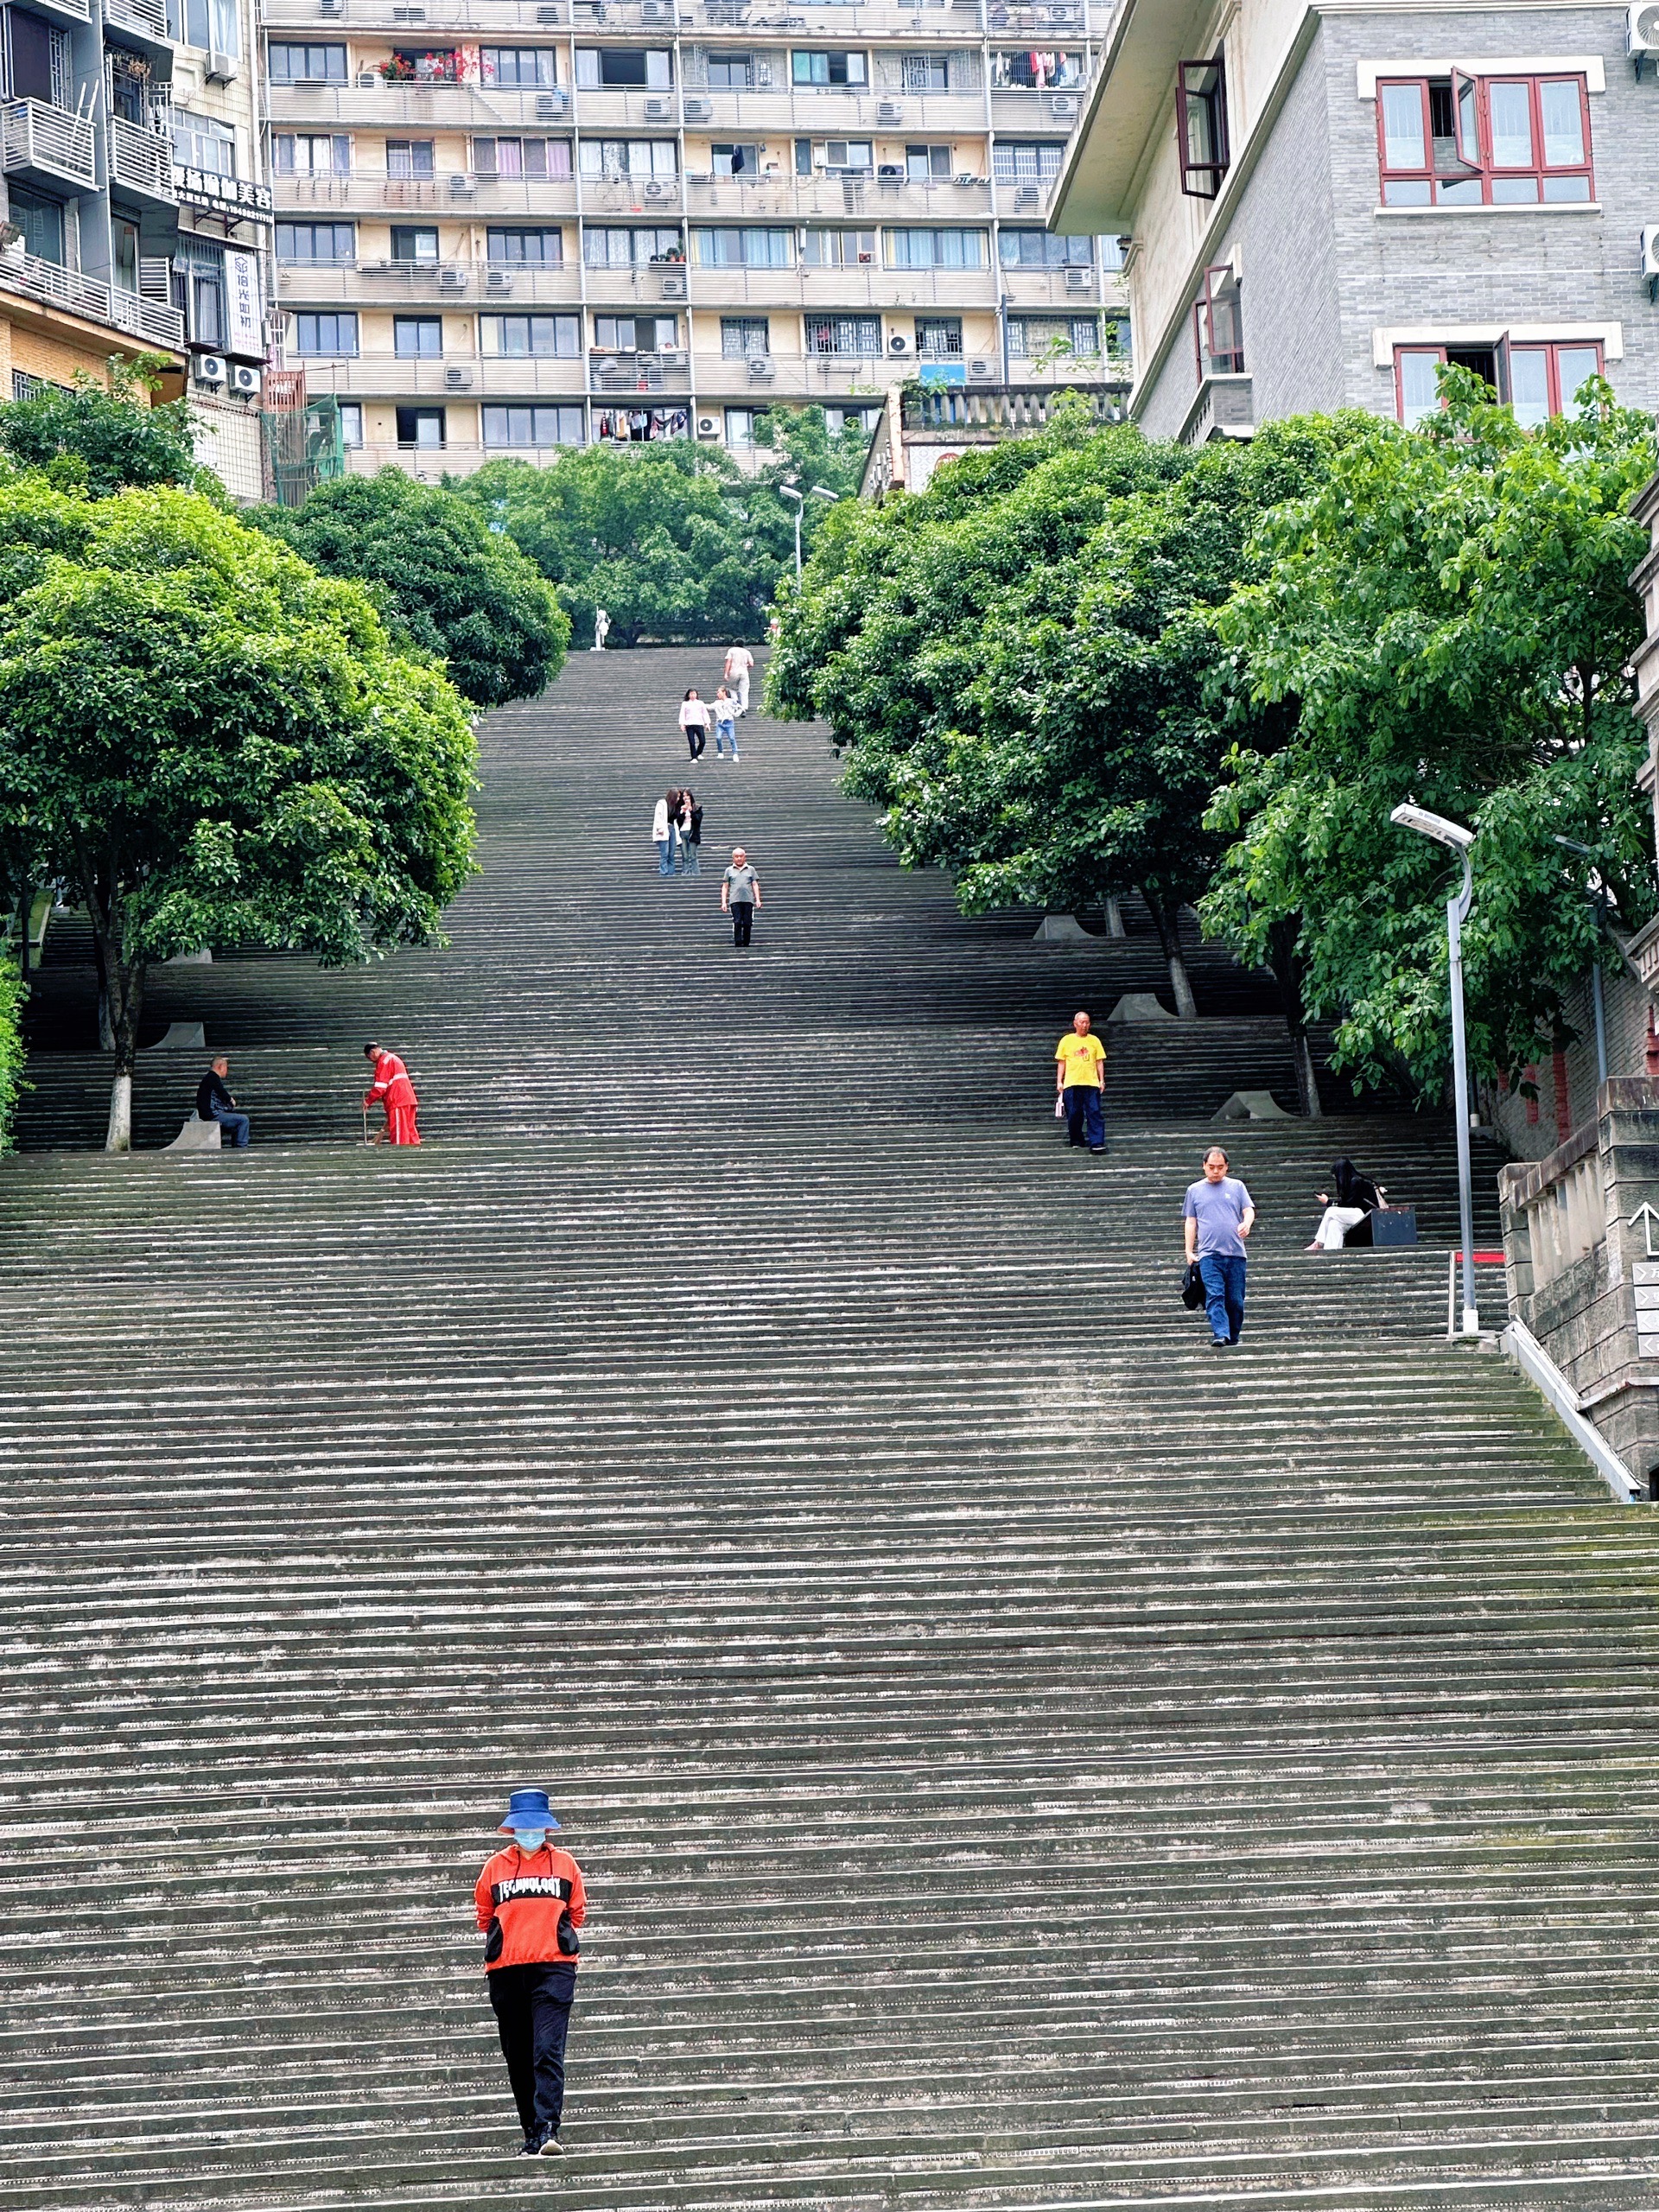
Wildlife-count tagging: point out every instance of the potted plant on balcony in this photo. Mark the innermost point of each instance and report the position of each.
(399, 70)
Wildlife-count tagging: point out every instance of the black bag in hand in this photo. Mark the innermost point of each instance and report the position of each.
(569, 1942)
(1193, 1287)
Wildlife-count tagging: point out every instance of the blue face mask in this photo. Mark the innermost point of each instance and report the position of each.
(529, 1840)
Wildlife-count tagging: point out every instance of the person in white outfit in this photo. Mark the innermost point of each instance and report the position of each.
(1355, 1196)
(738, 661)
(663, 830)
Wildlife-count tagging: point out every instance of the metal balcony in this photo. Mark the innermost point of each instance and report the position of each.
(152, 320)
(141, 162)
(48, 144)
(143, 21)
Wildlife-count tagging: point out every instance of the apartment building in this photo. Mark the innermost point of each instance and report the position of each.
(509, 225)
(129, 153)
(1324, 202)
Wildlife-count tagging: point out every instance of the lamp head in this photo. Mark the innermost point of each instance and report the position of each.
(1432, 825)
(822, 492)
(788, 492)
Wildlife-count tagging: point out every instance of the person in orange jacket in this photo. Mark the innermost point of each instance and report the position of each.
(392, 1088)
(530, 1902)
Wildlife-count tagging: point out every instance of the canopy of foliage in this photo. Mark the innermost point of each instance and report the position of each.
(211, 743)
(675, 542)
(444, 583)
(1446, 618)
(101, 438)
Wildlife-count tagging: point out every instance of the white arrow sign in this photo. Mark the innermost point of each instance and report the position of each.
(1645, 1214)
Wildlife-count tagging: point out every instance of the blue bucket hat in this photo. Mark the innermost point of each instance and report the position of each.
(528, 1808)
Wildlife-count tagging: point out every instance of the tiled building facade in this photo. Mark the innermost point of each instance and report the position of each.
(135, 219)
(509, 226)
(1326, 201)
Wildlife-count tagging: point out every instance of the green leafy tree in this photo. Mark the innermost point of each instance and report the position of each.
(1024, 664)
(671, 538)
(444, 582)
(1445, 618)
(213, 744)
(102, 438)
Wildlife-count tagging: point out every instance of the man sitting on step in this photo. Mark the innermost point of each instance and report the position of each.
(215, 1104)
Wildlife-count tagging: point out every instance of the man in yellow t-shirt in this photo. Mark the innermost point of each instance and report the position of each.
(1080, 1077)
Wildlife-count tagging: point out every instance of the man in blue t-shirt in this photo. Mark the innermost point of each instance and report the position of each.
(1219, 1216)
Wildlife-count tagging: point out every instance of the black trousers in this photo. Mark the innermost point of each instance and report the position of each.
(695, 741)
(743, 920)
(532, 2013)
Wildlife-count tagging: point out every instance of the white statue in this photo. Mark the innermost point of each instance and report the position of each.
(601, 629)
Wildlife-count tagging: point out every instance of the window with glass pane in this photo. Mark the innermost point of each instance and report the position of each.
(518, 65)
(325, 337)
(201, 142)
(350, 422)
(292, 63)
(740, 422)
(624, 66)
(859, 335)
(927, 164)
(838, 248)
(925, 72)
(532, 425)
(409, 157)
(938, 338)
(410, 242)
(730, 72)
(618, 161)
(1201, 111)
(629, 334)
(1474, 142)
(935, 249)
(303, 154)
(420, 426)
(529, 336)
(1043, 250)
(316, 241)
(1026, 160)
(833, 70)
(543, 248)
(746, 249)
(417, 337)
(1542, 379)
(41, 221)
(745, 337)
(611, 246)
(849, 153)
(735, 159)
(1219, 330)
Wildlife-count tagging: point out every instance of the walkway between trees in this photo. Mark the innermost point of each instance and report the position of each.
(1020, 1758)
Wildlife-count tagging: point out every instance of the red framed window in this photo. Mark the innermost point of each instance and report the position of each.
(1483, 141)
(1201, 127)
(1218, 331)
(1537, 379)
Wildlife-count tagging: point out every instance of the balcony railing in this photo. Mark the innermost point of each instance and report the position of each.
(141, 160)
(151, 321)
(1005, 411)
(147, 17)
(35, 136)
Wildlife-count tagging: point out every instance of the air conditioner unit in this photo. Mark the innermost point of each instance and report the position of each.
(654, 11)
(550, 13)
(553, 103)
(222, 69)
(452, 280)
(696, 111)
(500, 280)
(897, 345)
(369, 80)
(331, 7)
(658, 189)
(1079, 279)
(607, 368)
(1641, 32)
(762, 370)
(707, 427)
(659, 111)
(1028, 196)
(673, 288)
(460, 185)
(1063, 104)
(409, 15)
(982, 371)
(673, 357)
(889, 111)
(457, 379)
(890, 173)
(245, 379)
(209, 368)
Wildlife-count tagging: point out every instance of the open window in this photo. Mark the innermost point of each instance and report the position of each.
(1219, 330)
(1483, 141)
(1537, 379)
(1201, 122)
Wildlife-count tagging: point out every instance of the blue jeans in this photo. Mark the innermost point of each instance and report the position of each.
(664, 855)
(728, 732)
(235, 1128)
(1083, 1110)
(1223, 1294)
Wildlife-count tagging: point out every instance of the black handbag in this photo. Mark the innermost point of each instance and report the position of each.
(1193, 1287)
(569, 1942)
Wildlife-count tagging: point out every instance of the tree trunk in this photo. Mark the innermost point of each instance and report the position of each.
(1113, 911)
(120, 1132)
(1288, 971)
(1166, 921)
(126, 1000)
(121, 992)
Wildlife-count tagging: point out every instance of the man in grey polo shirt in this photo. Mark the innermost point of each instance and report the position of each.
(1218, 1217)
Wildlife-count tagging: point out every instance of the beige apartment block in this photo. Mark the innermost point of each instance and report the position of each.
(509, 226)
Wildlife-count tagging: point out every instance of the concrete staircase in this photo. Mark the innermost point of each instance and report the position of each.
(1021, 1757)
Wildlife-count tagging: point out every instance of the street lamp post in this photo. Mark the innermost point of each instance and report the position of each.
(819, 491)
(1452, 834)
(1601, 901)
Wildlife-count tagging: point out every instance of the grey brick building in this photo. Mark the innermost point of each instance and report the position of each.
(1324, 201)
